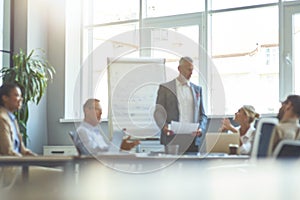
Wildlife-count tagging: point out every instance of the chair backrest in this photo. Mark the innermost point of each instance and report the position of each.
(287, 149)
(72, 135)
(262, 137)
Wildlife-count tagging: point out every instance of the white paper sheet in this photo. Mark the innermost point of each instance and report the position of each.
(183, 128)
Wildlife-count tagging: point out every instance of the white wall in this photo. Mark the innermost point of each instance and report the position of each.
(41, 24)
(37, 29)
(20, 25)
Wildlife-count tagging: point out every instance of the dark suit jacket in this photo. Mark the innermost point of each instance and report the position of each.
(167, 109)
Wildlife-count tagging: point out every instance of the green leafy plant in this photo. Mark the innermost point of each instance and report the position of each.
(32, 73)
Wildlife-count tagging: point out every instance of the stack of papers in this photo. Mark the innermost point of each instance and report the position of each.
(183, 128)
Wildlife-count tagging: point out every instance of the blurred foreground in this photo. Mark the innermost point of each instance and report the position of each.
(209, 180)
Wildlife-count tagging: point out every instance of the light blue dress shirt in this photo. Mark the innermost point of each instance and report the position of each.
(90, 140)
(15, 137)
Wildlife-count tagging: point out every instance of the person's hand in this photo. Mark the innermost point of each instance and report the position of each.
(227, 126)
(29, 153)
(197, 133)
(128, 145)
(167, 131)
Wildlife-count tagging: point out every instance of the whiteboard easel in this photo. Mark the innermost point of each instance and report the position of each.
(132, 91)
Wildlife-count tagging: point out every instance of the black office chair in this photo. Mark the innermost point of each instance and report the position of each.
(262, 137)
(287, 149)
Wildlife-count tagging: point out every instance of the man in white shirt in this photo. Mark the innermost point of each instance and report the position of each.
(180, 100)
(90, 138)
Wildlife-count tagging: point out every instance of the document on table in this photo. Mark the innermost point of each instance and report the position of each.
(183, 128)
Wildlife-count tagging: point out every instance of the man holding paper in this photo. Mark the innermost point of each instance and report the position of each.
(180, 100)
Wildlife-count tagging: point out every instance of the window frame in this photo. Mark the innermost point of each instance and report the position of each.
(287, 76)
(189, 19)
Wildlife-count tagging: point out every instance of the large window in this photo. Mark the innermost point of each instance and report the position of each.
(98, 12)
(1, 32)
(235, 47)
(4, 33)
(296, 34)
(158, 8)
(290, 48)
(245, 51)
(229, 4)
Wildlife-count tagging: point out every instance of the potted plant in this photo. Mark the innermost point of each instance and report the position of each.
(32, 73)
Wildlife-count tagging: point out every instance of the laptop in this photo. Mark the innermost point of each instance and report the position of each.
(218, 142)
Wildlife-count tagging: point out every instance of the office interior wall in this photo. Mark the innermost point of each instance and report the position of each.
(37, 29)
(40, 24)
(57, 132)
(19, 27)
(30, 32)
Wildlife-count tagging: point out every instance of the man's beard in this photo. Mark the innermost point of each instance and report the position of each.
(280, 114)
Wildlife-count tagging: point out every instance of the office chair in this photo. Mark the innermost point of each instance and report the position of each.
(287, 149)
(80, 151)
(262, 137)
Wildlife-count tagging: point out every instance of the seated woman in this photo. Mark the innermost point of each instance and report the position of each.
(11, 144)
(245, 117)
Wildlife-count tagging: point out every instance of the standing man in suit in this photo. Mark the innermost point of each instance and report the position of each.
(180, 100)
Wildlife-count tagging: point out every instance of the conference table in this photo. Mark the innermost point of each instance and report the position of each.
(163, 176)
(64, 162)
(129, 162)
(139, 163)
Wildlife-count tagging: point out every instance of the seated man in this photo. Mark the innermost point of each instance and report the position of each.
(89, 138)
(288, 126)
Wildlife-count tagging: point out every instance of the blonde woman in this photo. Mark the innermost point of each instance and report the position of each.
(245, 117)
